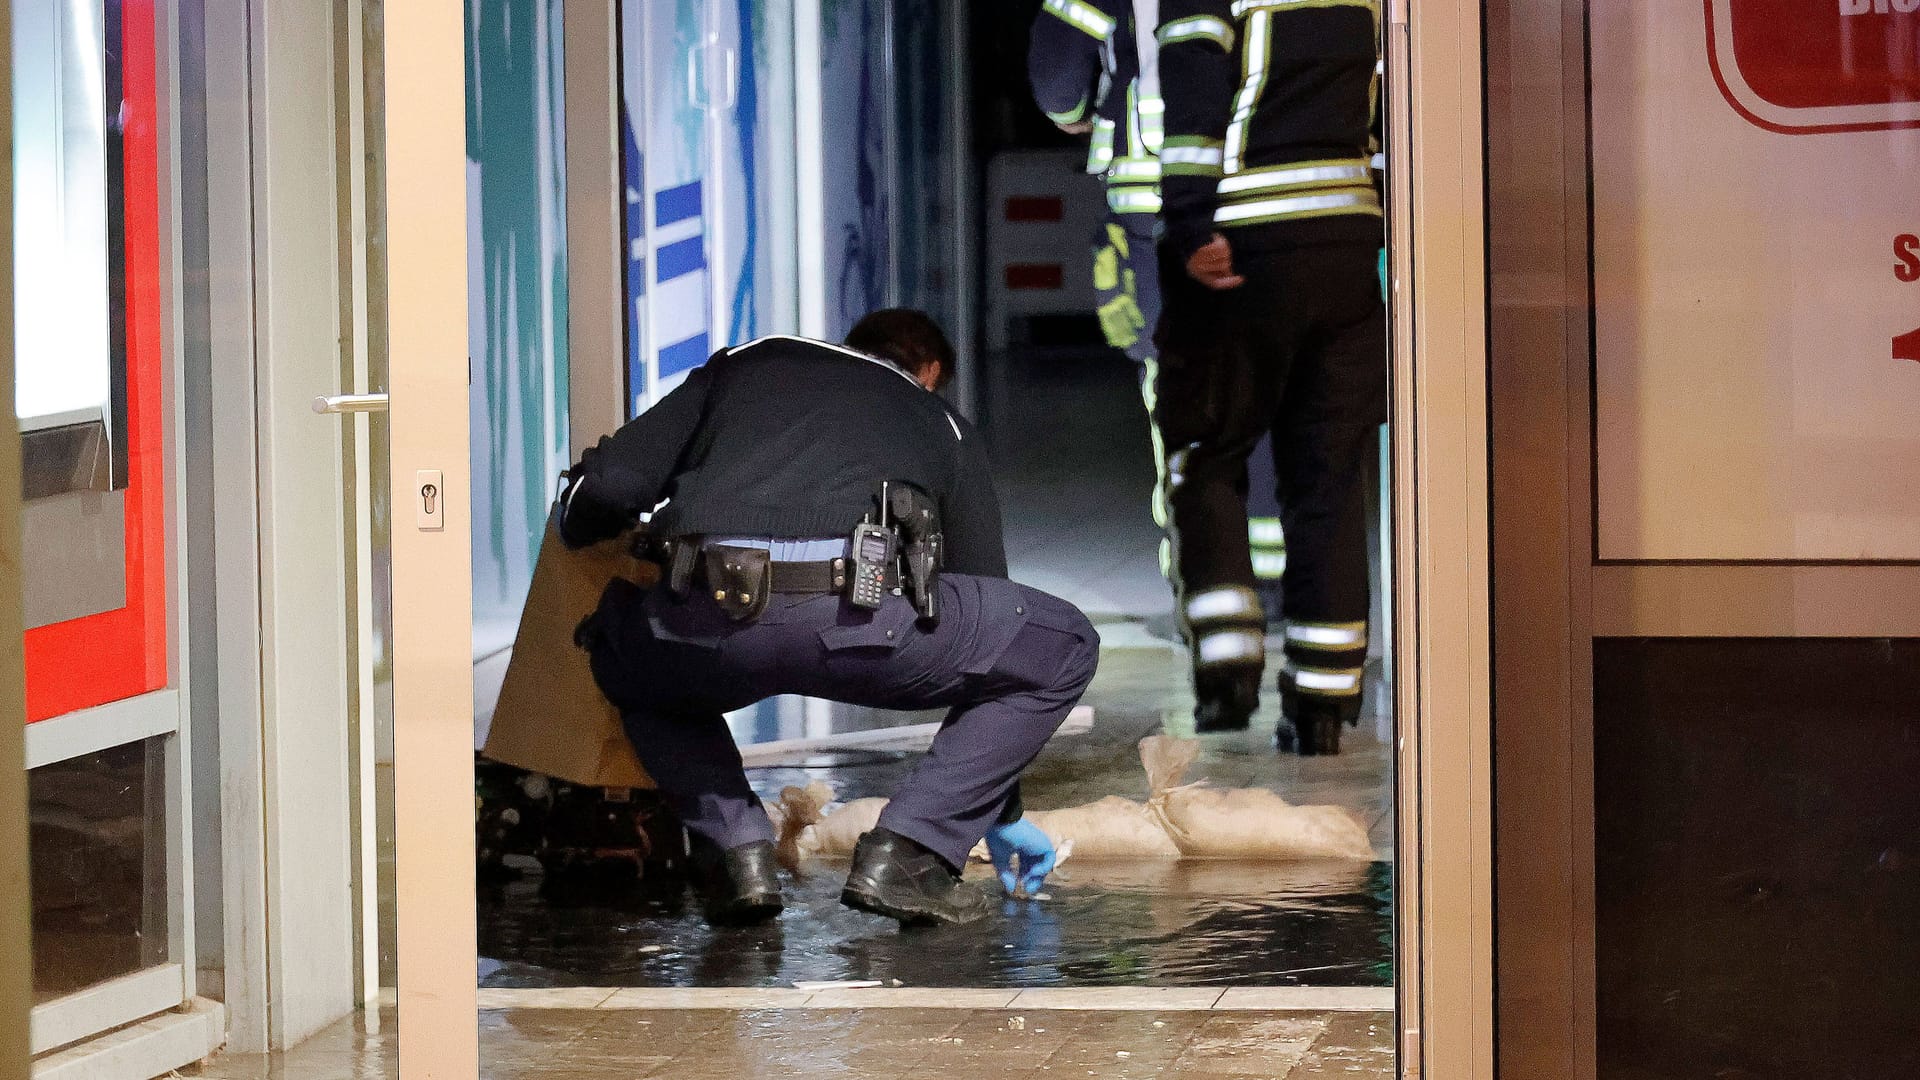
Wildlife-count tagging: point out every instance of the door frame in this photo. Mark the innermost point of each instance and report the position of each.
(1440, 539)
(426, 233)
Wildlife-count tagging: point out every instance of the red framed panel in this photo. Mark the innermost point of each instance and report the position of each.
(121, 653)
(1844, 65)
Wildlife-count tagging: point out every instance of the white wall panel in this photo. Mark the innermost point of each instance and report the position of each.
(1749, 401)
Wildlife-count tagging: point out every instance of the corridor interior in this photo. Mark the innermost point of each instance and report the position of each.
(1191, 968)
(1069, 439)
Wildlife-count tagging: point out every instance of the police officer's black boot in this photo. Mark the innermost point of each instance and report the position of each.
(739, 886)
(895, 877)
(1225, 700)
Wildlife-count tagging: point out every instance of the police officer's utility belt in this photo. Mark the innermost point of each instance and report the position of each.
(742, 579)
(898, 550)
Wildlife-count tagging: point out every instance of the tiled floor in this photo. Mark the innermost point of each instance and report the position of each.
(873, 1044)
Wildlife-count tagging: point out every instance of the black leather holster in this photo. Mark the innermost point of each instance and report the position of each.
(741, 579)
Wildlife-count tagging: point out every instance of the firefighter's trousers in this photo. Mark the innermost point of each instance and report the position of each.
(1298, 351)
(1126, 281)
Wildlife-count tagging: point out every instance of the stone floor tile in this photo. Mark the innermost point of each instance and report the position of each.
(1370, 999)
(631, 1069)
(1250, 1044)
(1012, 1031)
(1118, 997)
(1355, 1046)
(671, 1028)
(913, 997)
(875, 1044)
(558, 997)
(1125, 1030)
(536, 1025)
(706, 997)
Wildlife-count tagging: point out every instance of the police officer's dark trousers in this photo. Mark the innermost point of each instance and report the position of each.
(1008, 661)
(1299, 350)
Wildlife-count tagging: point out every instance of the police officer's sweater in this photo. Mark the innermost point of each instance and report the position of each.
(1270, 114)
(785, 437)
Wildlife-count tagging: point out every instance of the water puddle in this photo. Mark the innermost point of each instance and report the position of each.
(1187, 923)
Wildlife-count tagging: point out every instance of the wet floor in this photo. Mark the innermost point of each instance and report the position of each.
(1115, 924)
(1170, 923)
(1076, 479)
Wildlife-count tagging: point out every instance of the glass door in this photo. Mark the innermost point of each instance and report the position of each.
(232, 241)
(673, 68)
(106, 752)
(708, 117)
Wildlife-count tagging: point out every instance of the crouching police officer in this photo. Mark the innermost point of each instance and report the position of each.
(831, 530)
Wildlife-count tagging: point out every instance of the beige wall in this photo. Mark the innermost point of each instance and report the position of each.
(1748, 404)
(1685, 470)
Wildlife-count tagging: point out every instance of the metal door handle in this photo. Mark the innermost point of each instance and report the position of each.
(350, 403)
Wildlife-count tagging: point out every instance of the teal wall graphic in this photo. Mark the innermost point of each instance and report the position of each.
(517, 262)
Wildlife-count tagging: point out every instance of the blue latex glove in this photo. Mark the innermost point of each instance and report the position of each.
(1024, 841)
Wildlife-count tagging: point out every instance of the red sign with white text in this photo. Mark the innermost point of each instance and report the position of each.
(1809, 66)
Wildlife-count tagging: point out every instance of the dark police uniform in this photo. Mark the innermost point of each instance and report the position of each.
(1086, 64)
(788, 438)
(1269, 133)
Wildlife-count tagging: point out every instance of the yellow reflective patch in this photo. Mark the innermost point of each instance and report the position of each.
(1121, 320)
(1106, 269)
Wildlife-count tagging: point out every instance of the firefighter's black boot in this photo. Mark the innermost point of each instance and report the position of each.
(1225, 700)
(1310, 726)
(738, 886)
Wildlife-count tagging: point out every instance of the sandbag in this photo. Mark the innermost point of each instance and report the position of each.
(837, 831)
(1112, 828)
(1177, 821)
(797, 809)
(1253, 823)
(1242, 823)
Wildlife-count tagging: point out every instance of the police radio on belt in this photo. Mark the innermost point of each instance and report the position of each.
(887, 555)
(872, 551)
